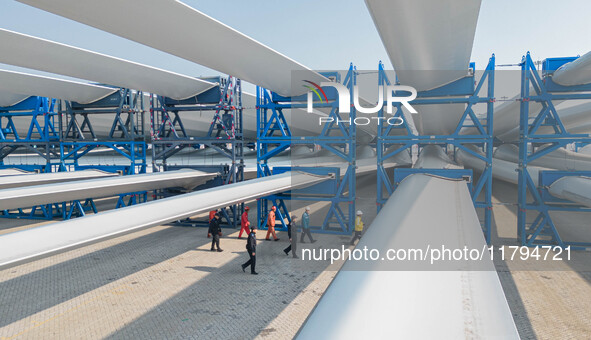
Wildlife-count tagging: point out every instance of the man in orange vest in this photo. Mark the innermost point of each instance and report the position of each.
(244, 223)
(271, 224)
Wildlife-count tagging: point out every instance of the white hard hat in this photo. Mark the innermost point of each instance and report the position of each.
(359, 212)
(307, 208)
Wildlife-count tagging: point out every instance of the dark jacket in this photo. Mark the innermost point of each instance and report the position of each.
(214, 226)
(292, 228)
(251, 243)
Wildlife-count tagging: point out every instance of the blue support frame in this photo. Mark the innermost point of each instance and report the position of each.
(125, 137)
(41, 139)
(225, 135)
(70, 136)
(533, 145)
(133, 151)
(274, 136)
(465, 91)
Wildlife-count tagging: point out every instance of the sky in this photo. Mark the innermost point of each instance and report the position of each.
(329, 34)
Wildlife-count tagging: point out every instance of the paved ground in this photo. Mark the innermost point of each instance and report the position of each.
(164, 283)
(550, 300)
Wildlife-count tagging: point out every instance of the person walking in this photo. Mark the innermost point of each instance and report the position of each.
(306, 226)
(216, 232)
(211, 217)
(271, 225)
(244, 223)
(292, 232)
(251, 248)
(358, 227)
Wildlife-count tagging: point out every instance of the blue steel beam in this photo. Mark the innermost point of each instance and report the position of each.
(532, 146)
(461, 91)
(274, 135)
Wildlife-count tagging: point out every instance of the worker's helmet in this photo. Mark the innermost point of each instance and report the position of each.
(247, 208)
(359, 212)
(273, 208)
(307, 208)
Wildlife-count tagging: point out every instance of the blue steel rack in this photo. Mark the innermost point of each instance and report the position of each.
(479, 144)
(274, 136)
(169, 136)
(75, 137)
(126, 136)
(41, 139)
(533, 145)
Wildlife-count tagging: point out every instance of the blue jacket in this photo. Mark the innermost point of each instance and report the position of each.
(306, 220)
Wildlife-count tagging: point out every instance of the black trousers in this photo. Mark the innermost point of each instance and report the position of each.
(295, 248)
(251, 262)
(357, 236)
(306, 232)
(215, 240)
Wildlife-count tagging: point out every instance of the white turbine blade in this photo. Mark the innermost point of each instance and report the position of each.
(442, 33)
(437, 51)
(34, 85)
(467, 302)
(25, 180)
(45, 55)
(26, 245)
(100, 187)
(576, 72)
(503, 170)
(559, 159)
(191, 35)
(573, 188)
(13, 172)
(9, 99)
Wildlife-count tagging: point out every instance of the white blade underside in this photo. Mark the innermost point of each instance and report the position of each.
(429, 44)
(573, 188)
(45, 55)
(25, 180)
(34, 85)
(374, 301)
(9, 99)
(190, 35)
(101, 187)
(13, 172)
(576, 72)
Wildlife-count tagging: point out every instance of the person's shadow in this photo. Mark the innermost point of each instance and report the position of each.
(203, 268)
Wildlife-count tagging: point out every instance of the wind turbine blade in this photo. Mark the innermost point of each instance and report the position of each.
(34, 85)
(437, 52)
(192, 35)
(45, 55)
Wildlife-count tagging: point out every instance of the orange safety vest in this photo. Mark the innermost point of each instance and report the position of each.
(271, 219)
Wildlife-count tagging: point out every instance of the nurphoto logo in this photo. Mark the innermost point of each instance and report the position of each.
(344, 96)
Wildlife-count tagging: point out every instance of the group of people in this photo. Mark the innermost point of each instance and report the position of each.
(292, 231)
(215, 232)
(271, 219)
